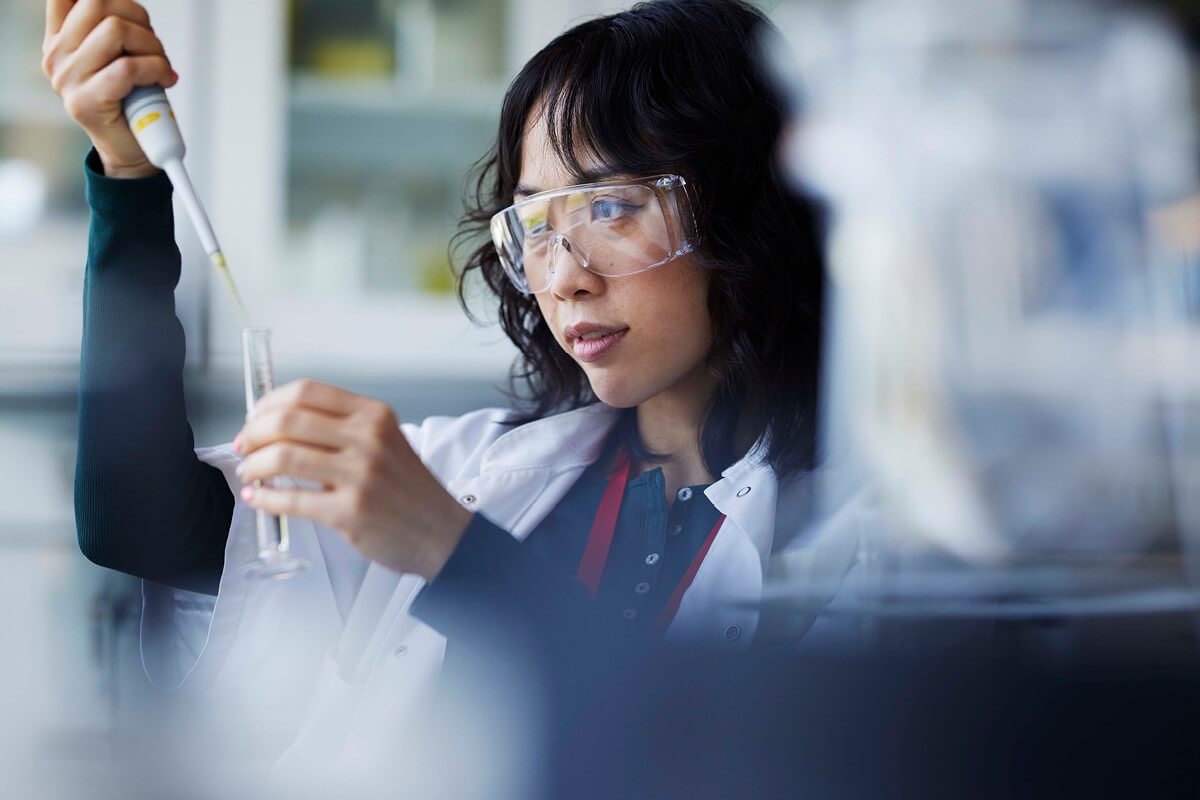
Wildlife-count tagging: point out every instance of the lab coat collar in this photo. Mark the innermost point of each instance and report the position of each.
(746, 492)
(747, 495)
(563, 441)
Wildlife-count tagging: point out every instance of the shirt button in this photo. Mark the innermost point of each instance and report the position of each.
(742, 492)
(652, 559)
(467, 499)
(733, 633)
(401, 650)
(675, 530)
(642, 588)
(684, 494)
(629, 613)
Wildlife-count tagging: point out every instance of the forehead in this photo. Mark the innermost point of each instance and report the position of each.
(542, 168)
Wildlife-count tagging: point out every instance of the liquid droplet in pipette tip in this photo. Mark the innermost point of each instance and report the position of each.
(218, 261)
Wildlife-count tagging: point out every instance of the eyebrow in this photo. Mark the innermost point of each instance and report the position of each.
(590, 176)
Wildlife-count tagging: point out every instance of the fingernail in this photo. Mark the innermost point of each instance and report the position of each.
(237, 444)
(240, 469)
(247, 492)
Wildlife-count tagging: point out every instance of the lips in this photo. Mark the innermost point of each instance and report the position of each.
(591, 340)
(588, 350)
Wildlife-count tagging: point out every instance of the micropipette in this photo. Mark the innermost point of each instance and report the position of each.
(153, 124)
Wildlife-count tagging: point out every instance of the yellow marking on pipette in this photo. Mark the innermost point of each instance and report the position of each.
(146, 121)
(218, 260)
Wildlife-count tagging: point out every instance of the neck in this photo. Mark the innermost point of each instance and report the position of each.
(670, 423)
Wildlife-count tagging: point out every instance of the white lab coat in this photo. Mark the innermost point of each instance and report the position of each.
(348, 685)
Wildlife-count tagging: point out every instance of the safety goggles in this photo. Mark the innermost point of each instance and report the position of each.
(612, 228)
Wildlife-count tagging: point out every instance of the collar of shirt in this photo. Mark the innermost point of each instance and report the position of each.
(746, 492)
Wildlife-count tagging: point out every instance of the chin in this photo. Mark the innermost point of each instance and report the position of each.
(618, 394)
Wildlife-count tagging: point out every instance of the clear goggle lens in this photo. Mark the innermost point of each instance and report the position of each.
(611, 229)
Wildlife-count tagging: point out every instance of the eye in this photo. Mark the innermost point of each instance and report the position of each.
(609, 209)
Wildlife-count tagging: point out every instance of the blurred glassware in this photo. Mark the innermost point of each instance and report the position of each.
(998, 321)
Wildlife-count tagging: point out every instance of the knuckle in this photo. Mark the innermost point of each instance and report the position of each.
(123, 69)
(381, 417)
(372, 469)
(286, 421)
(111, 27)
(282, 458)
(388, 416)
(73, 105)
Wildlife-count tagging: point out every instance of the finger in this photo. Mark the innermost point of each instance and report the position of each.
(292, 423)
(56, 13)
(107, 43)
(118, 79)
(296, 461)
(312, 394)
(88, 14)
(314, 504)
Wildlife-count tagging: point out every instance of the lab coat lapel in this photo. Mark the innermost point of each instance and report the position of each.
(529, 470)
(719, 603)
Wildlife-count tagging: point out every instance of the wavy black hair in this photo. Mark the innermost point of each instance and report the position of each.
(675, 86)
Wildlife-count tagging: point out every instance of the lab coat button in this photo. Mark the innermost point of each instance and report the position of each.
(629, 613)
(642, 588)
(652, 559)
(675, 530)
(684, 494)
(467, 499)
(733, 633)
(401, 650)
(742, 492)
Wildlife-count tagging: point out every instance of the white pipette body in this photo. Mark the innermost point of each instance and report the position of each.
(153, 124)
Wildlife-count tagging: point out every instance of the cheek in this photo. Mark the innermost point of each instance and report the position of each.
(547, 312)
(678, 308)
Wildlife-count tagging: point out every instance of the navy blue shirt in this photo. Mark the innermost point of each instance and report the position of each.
(653, 545)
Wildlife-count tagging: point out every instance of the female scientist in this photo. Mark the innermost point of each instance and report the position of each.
(664, 290)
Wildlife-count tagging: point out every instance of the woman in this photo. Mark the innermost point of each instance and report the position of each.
(665, 294)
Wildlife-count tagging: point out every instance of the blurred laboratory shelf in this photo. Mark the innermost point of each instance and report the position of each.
(374, 127)
(388, 96)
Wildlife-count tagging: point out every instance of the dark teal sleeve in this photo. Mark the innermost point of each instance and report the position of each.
(144, 503)
(495, 597)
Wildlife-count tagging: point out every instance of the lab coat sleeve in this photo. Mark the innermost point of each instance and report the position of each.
(258, 643)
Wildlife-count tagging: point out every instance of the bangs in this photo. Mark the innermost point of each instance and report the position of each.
(597, 101)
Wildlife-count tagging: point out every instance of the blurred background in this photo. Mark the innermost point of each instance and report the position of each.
(331, 141)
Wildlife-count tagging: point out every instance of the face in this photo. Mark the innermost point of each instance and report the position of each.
(662, 312)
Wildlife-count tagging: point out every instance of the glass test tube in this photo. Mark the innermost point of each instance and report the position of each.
(274, 560)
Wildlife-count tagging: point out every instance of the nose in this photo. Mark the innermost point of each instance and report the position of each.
(565, 281)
